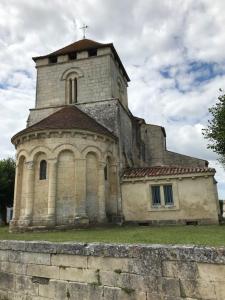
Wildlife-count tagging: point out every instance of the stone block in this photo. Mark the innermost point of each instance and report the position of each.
(76, 261)
(55, 289)
(4, 295)
(130, 281)
(180, 269)
(146, 266)
(220, 290)
(198, 289)
(4, 255)
(211, 272)
(14, 268)
(36, 258)
(115, 293)
(169, 287)
(6, 281)
(15, 256)
(24, 283)
(79, 275)
(78, 291)
(43, 271)
(108, 264)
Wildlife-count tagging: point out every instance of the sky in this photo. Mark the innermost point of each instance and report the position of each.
(173, 51)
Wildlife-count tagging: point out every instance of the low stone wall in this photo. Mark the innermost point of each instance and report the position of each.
(44, 270)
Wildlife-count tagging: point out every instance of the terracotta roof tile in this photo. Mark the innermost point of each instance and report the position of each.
(82, 45)
(163, 171)
(69, 117)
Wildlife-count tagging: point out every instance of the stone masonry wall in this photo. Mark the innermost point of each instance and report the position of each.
(44, 270)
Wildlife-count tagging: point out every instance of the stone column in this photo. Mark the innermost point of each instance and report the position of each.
(80, 191)
(16, 204)
(27, 220)
(101, 192)
(52, 184)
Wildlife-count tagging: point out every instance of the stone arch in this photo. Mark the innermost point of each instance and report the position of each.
(92, 182)
(22, 152)
(77, 71)
(58, 149)
(92, 149)
(65, 191)
(39, 149)
(71, 78)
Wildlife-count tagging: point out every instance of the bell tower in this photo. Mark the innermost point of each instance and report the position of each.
(83, 72)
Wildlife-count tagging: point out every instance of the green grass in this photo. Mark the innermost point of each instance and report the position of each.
(213, 235)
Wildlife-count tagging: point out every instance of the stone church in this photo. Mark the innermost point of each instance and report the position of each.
(85, 159)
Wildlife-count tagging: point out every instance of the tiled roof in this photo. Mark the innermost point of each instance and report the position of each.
(82, 45)
(163, 171)
(69, 117)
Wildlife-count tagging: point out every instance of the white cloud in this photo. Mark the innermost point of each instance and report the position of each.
(150, 36)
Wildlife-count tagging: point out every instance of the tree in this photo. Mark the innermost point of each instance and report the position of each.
(7, 179)
(215, 132)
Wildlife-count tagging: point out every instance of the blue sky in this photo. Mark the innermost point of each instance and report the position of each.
(173, 51)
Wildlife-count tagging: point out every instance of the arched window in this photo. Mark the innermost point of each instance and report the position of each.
(43, 170)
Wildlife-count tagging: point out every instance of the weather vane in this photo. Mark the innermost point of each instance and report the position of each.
(84, 28)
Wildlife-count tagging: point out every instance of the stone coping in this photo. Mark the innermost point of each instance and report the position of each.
(203, 254)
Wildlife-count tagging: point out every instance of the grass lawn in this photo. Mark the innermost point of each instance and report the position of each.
(213, 235)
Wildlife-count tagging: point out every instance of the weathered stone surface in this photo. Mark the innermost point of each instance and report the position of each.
(107, 271)
(25, 283)
(76, 261)
(14, 268)
(43, 271)
(77, 291)
(180, 269)
(198, 289)
(6, 281)
(79, 275)
(55, 289)
(211, 272)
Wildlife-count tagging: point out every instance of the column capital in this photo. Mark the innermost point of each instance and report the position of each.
(52, 160)
(101, 164)
(29, 165)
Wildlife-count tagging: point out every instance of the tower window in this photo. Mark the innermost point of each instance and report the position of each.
(43, 170)
(106, 172)
(52, 59)
(72, 90)
(73, 56)
(92, 52)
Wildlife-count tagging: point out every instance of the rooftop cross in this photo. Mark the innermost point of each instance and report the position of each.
(84, 28)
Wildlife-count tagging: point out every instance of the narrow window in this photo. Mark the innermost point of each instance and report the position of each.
(156, 201)
(43, 170)
(75, 90)
(70, 91)
(53, 59)
(168, 194)
(106, 172)
(73, 56)
(92, 52)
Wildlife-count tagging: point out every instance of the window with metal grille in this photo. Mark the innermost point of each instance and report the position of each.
(156, 195)
(168, 194)
(43, 170)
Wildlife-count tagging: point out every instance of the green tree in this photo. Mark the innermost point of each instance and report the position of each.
(7, 179)
(215, 131)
